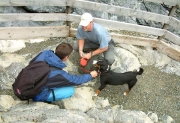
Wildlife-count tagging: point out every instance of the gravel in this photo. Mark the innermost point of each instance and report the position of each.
(155, 91)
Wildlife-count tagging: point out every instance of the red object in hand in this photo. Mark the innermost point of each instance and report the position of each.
(83, 61)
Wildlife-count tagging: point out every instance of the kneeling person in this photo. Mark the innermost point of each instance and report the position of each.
(65, 81)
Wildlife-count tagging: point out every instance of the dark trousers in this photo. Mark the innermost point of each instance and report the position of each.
(91, 46)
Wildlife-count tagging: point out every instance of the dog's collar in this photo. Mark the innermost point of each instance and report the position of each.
(108, 68)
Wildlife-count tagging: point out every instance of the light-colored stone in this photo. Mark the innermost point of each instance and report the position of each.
(125, 60)
(8, 58)
(37, 40)
(11, 45)
(6, 102)
(153, 116)
(100, 102)
(81, 100)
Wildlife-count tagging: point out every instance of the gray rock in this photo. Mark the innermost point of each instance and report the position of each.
(43, 112)
(167, 119)
(126, 116)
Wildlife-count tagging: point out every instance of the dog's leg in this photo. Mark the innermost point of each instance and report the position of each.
(97, 92)
(130, 85)
(99, 89)
(126, 93)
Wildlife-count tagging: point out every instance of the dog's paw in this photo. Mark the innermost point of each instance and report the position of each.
(125, 93)
(95, 94)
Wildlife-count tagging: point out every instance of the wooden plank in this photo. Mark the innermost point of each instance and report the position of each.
(8, 33)
(133, 40)
(72, 32)
(172, 37)
(166, 2)
(175, 23)
(125, 39)
(32, 2)
(122, 11)
(121, 25)
(63, 2)
(169, 50)
(33, 17)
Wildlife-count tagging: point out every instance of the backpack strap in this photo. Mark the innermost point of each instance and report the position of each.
(54, 97)
(54, 68)
(52, 90)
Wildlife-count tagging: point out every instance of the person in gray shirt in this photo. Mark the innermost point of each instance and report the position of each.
(94, 38)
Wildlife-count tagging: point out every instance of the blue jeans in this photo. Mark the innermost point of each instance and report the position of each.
(109, 54)
(61, 93)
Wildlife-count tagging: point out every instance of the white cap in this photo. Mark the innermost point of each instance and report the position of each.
(86, 18)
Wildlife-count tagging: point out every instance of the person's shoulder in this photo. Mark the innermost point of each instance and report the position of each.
(98, 26)
(47, 51)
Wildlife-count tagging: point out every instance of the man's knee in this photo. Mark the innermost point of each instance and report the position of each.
(110, 61)
(75, 46)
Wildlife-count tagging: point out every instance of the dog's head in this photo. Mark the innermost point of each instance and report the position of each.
(102, 65)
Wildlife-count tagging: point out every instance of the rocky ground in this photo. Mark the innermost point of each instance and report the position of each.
(155, 90)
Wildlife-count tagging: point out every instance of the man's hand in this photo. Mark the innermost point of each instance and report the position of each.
(88, 55)
(94, 73)
(81, 53)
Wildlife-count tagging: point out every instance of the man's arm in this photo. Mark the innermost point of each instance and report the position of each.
(96, 52)
(81, 45)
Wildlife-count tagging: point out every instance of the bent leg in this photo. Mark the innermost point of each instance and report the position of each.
(61, 93)
(88, 45)
(109, 54)
(75, 46)
(130, 85)
(99, 89)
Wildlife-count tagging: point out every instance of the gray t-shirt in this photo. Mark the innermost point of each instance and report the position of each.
(98, 35)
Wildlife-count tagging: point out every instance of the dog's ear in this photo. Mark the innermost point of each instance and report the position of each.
(103, 65)
(100, 62)
(103, 68)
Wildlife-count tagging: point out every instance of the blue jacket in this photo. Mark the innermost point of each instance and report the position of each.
(58, 75)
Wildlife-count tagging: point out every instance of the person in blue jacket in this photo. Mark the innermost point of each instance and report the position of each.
(63, 81)
(94, 37)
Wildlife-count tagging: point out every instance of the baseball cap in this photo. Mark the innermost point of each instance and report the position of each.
(83, 61)
(86, 18)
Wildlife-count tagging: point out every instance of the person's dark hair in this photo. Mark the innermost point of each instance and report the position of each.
(63, 50)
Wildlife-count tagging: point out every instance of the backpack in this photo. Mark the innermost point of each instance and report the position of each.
(31, 79)
(89, 66)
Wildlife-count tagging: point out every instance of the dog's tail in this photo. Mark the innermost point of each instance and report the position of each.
(140, 71)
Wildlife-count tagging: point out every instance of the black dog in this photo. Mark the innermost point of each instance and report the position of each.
(108, 77)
